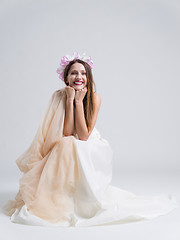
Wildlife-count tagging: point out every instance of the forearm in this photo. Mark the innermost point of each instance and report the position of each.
(80, 122)
(69, 118)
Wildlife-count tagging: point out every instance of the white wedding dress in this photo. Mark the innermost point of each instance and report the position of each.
(93, 200)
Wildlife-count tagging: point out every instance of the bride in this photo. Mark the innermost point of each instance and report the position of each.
(67, 170)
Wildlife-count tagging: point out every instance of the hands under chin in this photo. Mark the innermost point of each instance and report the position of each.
(80, 94)
(76, 94)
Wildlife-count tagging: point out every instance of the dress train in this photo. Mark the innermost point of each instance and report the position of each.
(67, 182)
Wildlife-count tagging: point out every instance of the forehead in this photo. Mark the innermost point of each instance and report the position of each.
(78, 67)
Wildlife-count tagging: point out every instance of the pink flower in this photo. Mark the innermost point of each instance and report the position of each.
(67, 58)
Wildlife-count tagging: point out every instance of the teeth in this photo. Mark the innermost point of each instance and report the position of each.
(78, 83)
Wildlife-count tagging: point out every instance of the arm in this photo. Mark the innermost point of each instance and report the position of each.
(80, 123)
(69, 118)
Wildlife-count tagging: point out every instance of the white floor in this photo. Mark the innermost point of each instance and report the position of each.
(165, 227)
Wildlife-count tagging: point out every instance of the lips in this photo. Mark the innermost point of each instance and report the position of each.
(78, 82)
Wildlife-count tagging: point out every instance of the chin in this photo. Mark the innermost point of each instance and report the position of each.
(78, 87)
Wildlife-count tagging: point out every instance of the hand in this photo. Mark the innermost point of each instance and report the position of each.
(80, 94)
(70, 92)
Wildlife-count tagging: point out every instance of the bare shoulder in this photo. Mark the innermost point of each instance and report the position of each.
(97, 98)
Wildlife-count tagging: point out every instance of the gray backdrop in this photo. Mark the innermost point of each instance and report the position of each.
(136, 52)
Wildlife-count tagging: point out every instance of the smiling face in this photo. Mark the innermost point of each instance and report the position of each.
(77, 76)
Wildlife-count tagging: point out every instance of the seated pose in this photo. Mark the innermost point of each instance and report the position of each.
(67, 170)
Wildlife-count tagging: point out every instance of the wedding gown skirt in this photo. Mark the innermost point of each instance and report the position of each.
(88, 199)
(70, 186)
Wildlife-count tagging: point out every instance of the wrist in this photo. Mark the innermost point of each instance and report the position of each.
(70, 100)
(78, 101)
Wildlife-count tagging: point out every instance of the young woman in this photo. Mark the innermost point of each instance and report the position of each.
(82, 104)
(68, 167)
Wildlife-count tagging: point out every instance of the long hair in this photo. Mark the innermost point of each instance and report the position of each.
(88, 101)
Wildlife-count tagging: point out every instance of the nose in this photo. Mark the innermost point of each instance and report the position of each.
(78, 76)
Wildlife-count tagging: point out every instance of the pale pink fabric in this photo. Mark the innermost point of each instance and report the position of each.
(66, 181)
(50, 167)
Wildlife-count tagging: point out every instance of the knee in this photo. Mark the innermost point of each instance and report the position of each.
(66, 138)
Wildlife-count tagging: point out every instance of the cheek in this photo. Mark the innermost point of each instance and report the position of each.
(71, 78)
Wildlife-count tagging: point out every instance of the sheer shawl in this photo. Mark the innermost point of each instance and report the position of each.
(50, 167)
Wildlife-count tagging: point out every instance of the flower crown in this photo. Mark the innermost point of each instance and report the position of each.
(65, 60)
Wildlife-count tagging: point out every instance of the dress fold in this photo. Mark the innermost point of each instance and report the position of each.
(67, 182)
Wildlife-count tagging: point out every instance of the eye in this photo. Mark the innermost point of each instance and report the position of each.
(84, 73)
